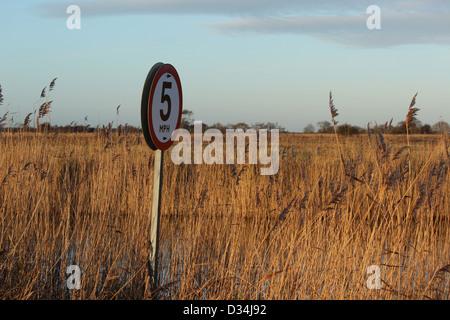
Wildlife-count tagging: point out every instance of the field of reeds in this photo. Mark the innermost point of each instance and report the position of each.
(337, 207)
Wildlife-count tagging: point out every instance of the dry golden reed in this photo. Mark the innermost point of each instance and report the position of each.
(309, 232)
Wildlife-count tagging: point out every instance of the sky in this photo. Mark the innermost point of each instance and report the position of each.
(238, 60)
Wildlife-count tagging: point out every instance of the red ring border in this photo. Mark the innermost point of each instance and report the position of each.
(166, 68)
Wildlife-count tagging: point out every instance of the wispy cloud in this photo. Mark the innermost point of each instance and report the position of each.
(402, 22)
(177, 7)
(397, 28)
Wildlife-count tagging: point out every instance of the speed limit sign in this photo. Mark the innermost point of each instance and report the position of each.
(161, 106)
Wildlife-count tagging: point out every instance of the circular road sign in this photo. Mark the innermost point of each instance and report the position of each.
(161, 106)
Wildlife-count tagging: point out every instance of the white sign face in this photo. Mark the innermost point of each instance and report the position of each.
(161, 106)
(165, 107)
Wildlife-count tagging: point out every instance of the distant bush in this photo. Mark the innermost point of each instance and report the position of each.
(348, 130)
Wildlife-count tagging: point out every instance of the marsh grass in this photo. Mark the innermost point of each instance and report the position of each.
(227, 232)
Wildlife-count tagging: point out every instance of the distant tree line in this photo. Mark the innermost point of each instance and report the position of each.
(42, 124)
(73, 128)
(187, 122)
(347, 129)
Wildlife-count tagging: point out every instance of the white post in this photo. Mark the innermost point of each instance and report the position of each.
(154, 226)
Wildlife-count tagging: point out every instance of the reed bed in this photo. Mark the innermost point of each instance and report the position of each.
(337, 206)
(309, 232)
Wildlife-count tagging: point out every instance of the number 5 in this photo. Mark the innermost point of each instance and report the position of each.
(164, 98)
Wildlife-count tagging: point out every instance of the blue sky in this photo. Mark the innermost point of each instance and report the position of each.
(247, 60)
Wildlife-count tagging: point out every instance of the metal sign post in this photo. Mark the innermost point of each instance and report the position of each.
(161, 109)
